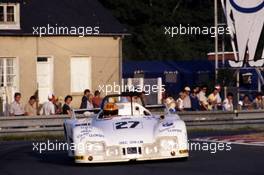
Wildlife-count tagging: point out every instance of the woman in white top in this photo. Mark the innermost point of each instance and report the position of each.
(90, 102)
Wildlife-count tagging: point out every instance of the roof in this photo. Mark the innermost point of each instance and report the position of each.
(66, 13)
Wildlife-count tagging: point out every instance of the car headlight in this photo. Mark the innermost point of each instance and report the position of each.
(112, 151)
(168, 144)
(95, 147)
(150, 149)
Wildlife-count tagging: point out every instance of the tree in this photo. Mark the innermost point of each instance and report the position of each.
(146, 19)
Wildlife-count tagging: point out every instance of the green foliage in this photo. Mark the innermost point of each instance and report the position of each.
(146, 19)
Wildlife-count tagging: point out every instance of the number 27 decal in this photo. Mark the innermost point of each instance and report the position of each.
(127, 125)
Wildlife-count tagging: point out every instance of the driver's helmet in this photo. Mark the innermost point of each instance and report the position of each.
(110, 109)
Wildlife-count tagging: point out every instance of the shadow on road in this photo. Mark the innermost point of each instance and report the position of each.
(61, 158)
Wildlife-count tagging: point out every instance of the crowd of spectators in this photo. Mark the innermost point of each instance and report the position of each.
(198, 99)
(195, 99)
(53, 106)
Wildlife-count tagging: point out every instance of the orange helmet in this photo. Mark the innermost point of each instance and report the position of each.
(110, 109)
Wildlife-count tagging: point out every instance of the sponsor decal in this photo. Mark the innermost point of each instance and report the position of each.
(149, 117)
(167, 124)
(131, 142)
(88, 133)
(166, 129)
(174, 130)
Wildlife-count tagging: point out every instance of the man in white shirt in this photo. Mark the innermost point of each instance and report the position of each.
(179, 101)
(187, 100)
(218, 97)
(16, 108)
(202, 98)
(228, 103)
(48, 107)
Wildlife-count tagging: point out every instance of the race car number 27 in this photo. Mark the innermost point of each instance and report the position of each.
(128, 125)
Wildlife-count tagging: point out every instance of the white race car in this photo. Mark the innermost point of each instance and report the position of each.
(125, 130)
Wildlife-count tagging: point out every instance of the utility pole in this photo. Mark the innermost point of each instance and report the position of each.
(216, 39)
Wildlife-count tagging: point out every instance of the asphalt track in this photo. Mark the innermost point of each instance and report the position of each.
(17, 158)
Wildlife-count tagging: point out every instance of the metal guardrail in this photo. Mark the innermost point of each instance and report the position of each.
(200, 120)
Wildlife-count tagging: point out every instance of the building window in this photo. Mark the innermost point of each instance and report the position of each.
(10, 13)
(7, 72)
(80, 74)
(9, 16)
(2, 18)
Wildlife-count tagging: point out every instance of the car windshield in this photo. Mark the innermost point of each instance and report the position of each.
(123, 104)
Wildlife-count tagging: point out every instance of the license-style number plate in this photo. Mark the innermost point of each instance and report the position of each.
(132, 150)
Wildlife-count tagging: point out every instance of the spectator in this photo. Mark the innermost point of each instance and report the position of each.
(90, 102)
(202, 98)
(66, 109)
(48, 107)
(212, 100)
(258, 102)
(97, 100)
(30, 107)
(246, 103)
(164, 96)
(58, 105)
(170, 104)
(16, 107)
(228, 103)
(179, 101)
(141, 99)
(194, 100)
(196, 89)
(84, 103)
(218, 97)
(187, 100)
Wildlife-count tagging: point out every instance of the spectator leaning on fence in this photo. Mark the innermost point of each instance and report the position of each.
(258, 102)
(187, 100)
(202, 98)
(66, 109)
(228, 103)
(212, 100)
(246, 103)
(48, 107)
(194, 100)
(16, 107)
(84, 102)
(218, 97)
(58, 105)
(30, 107)
(170, 104)
(180, 105)
(90, 102)
(97, 100)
